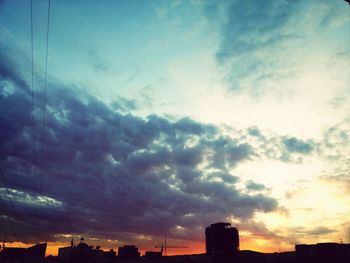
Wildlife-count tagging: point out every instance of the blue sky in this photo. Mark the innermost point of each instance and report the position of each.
(157, 111)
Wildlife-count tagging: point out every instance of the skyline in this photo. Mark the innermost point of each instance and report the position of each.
(165, 116)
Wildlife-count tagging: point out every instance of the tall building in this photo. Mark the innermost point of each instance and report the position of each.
(222, 240)
(128, 252)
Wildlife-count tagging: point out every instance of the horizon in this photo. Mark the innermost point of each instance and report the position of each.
(126, 121)
(143, 251)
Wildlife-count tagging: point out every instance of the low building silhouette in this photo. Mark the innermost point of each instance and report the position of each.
(36, 252)
(109, 255)
(153, 254)
(80, 253)
(323, 252)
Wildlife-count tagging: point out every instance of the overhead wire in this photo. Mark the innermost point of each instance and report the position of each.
(42, 161)
(10, 224)
(33, 133)
(33, 91)
(42, 156)
(1, 223)
(12, 207)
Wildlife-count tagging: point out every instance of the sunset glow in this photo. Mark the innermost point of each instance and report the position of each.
(162, 117)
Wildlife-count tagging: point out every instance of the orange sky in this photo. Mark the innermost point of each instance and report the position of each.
(246, 243)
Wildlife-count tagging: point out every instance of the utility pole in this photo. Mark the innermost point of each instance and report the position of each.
(164, 247)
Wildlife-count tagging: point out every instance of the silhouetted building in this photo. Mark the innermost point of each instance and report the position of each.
(13, 253)
(64, 253)
(153, 254)
(37, 251)
(109, 255)
(248, 256)
(16, 253)
(128, 252)
(323, 252)
(222, 240)
(80, 253)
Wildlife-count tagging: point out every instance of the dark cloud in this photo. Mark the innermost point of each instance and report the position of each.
(186, 125)
(254, 131)
(107, 173)
(226, 177)
(124, 105)
(295, 145)
(282, 148)
(9, 70)
(227, 153)
(252, 186)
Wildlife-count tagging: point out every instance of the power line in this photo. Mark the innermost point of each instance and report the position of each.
(11, 206)
(12, 229)
(1, 224)
(33, 125)
(44, 103)
(33, 117)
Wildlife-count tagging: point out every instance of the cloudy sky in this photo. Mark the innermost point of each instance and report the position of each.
(162, 117)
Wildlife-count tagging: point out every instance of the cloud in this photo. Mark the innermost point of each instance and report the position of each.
(259, 229)
(186, 125)
(316, 231)
(252, 186)
(227, 153)
(267, 145)
(339, 177)
(320, 231)
(254, 29)
(342, 179)
(262, 43)
(254, 131)
(298, 146)
(98, 63)
(336, 140)
(8, 69)
(124, 105)
(256, 18)
(107, 173)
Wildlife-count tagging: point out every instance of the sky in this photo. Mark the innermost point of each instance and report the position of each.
(162, 117)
